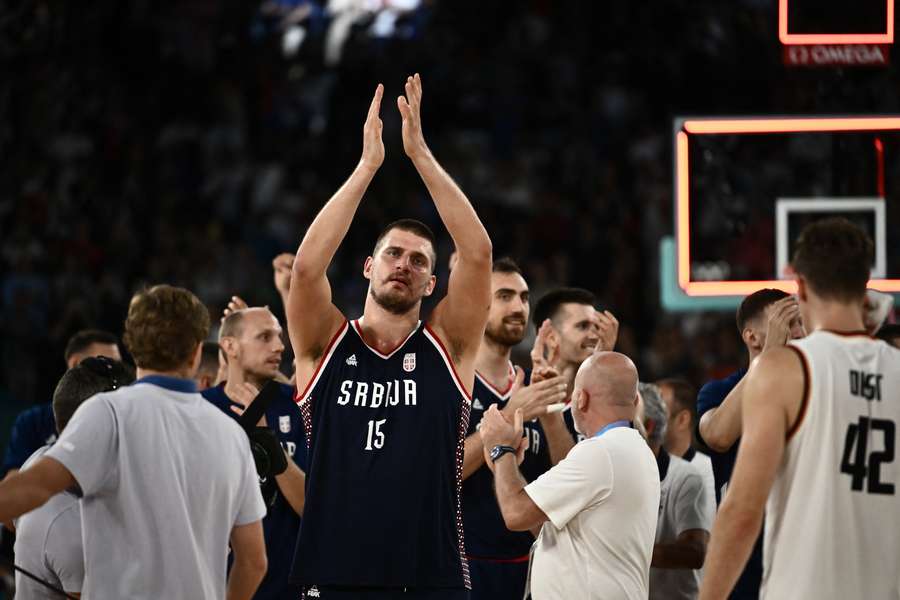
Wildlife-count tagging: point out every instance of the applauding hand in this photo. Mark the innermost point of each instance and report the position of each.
(373, 145)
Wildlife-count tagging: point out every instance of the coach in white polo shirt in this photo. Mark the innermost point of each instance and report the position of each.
(598, 507)
(166, 478)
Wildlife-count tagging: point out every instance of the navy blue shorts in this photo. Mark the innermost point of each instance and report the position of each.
(497, 580)
(365, 593)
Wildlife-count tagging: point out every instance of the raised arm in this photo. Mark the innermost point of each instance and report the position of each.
(720, 427)
(311, 316)
(460, 317)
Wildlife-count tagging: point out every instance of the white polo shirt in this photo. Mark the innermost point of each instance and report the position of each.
(602, 501)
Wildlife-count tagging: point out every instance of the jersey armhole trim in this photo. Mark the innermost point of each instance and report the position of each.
(326, 356)
(431, 335)
(807, 390)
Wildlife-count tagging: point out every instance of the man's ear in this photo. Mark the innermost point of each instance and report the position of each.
(580, 399)
(229, 347)
(429, 289)
(802, 291)
(367, 267)
(683, 419)
(749, 337)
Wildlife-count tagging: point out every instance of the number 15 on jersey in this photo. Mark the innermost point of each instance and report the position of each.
(375, 437)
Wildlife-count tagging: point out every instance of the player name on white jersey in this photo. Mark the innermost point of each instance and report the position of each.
(375, 395)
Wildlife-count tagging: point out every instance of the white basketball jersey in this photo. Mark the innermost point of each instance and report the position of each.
(833, 515)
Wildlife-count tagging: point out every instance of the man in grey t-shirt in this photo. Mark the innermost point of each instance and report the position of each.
(48, 539)
(686, 512)
(166, 479)
(48, 546)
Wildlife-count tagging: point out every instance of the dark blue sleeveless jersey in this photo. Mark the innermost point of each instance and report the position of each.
(386, 435)
(486, 534)
(281, 524)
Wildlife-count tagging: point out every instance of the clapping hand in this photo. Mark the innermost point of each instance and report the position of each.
(410, 107)
(533, 400)
(609, 331)
(282, 265)
(242, 394)
(545, 351)
(373, 145)
(235, 304)
(496, 430)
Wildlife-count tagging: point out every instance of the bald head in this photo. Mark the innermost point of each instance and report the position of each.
(609, 377)
(233, 324)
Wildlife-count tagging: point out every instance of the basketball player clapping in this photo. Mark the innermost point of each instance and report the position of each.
(385, 398)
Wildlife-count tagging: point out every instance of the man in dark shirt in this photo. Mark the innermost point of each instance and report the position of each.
(251, 341)
(498, 558)
(35, 427)
(766, 318)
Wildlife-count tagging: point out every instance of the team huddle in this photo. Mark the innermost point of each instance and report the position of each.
(410, 458)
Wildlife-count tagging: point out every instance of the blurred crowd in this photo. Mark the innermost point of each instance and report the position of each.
(192, 142)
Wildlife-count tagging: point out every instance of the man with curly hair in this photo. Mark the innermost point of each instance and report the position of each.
(158, 511)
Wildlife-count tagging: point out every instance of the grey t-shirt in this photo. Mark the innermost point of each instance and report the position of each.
(684, 503)
(165, 476)
(48, 545)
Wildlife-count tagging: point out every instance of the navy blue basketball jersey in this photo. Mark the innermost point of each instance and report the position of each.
(281, 524)
(386, 435)
(486, 534)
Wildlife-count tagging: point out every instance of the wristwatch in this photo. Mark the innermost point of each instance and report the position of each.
(499, 450)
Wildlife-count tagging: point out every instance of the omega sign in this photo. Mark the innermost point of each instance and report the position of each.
(823, 55)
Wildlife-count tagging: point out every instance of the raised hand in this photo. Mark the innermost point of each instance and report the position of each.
(533, 400)
(876, 308)
(282, 265)
(609, 331)
(545, 351)
(496, 430)
(235, 304)
(781, 314)
(373, 145)
(410, 110)
(242, 394)
(524, 442)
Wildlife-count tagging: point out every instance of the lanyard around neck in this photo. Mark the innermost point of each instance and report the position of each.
(612, 425)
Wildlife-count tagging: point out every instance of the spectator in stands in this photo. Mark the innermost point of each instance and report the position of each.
(36, 426)
(768, 317)
(680, 398)
(597, 509)
(48, 539)
(686, 511)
